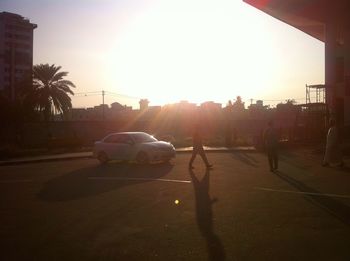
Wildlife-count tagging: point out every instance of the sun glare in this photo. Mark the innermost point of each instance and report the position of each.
(172, 53)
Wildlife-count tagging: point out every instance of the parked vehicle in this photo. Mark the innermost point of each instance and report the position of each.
(133, 146)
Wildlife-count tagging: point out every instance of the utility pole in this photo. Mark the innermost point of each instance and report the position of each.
(103, 105)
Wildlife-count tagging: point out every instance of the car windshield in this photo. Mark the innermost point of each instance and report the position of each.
(143, 137)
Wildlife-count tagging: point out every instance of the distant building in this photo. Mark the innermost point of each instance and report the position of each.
(79, 114)
(116, 106)
(211, 110)
(91, 114)
(258, 111)
(101, 111)
(143, 104)
(185, 106)
(16, 52)
(259, 105)
(210, 105)
(151, 112)
(155, 108)
(118, 111)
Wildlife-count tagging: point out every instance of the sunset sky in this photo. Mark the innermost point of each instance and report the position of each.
(171, 50)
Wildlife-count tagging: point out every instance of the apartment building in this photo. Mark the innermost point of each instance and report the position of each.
(16, 52)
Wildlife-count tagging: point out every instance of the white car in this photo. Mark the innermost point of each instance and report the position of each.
(138, 146)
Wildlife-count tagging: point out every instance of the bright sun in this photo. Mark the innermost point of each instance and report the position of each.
(170, 53)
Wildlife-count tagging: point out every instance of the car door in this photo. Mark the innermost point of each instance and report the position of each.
(125, 147)
(118, 146)
(121, 147)
(111, 146)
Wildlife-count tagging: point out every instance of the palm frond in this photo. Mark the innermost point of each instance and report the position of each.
(50, 89)
(64, 88)
(66, 82)
(59, 76)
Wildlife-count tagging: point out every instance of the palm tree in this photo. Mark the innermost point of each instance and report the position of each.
(49, 90)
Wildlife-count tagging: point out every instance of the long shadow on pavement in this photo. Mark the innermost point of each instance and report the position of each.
(245, 158)
(345, 169)
(330, 205)
(204, 215)
(286, 157)
(99, 179)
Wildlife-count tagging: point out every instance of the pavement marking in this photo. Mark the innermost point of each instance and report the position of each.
(305, 193)
(144, 179)
(15, 181)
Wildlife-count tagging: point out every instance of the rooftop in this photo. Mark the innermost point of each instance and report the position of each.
(17, 18)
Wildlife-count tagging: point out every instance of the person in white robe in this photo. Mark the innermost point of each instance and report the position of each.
(333, 153)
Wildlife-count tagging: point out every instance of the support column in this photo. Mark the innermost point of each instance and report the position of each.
(330, 56)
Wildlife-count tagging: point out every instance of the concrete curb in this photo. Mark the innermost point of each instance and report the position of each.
(87, 155)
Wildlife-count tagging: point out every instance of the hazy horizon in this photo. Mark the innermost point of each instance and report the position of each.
(168, 51)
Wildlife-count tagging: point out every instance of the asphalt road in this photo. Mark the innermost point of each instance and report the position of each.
(79, 210)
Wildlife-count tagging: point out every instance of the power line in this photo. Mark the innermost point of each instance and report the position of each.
(104, 93)
(85, 95)
(109, 93)
(119, 94)
(296, 99)
(80, 93)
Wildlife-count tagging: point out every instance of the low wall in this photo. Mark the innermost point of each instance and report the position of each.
(84, 133)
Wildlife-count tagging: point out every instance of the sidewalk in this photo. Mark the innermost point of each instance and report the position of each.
(82, 155)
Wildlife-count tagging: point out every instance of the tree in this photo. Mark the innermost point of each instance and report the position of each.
(50, 90)
(238, 104)
(290, 101)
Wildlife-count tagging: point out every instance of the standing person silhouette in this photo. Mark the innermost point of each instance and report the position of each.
(333, 153)
(271, 145)
(198, 148)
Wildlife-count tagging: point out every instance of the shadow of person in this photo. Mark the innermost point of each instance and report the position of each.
(245, 158)
(99, 179)
(249, 156)
(204, 216)
(334, 207)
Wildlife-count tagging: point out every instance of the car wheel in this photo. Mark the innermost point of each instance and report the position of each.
(102, 157)
(142, 158)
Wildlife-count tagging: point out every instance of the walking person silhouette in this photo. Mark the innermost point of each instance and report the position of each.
(198, 148)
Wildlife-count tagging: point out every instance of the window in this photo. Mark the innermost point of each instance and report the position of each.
(125, 139)
(143, 138)
(22, 58)
(118, 138)
(112, 139)
(21, 37)
(16, 28)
